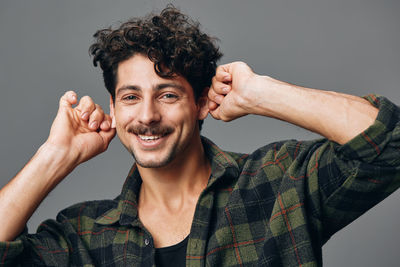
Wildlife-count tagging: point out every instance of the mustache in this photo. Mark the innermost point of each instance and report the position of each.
(152, 130)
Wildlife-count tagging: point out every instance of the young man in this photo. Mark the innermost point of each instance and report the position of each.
(185, 201)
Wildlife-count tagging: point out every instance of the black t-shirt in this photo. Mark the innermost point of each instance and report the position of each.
(172, 256)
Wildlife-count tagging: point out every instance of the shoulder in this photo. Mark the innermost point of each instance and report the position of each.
(89, 209)
(283, 151)
(71, 219)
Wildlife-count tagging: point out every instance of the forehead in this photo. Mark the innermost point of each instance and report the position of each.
(138, 71)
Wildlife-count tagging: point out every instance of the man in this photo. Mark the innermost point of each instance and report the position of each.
(185, 201)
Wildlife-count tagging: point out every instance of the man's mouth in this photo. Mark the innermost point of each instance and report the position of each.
(149, 137)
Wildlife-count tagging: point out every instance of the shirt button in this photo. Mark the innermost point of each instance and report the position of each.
(146, 241)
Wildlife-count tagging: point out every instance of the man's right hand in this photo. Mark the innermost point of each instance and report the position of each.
(80, 133)
(77, 134)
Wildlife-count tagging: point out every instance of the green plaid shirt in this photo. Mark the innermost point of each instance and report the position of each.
(274, 207)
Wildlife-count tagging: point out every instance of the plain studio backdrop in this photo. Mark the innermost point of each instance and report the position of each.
(348, 46)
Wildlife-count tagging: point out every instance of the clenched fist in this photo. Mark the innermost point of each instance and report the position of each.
(233, 92)
(80, 132)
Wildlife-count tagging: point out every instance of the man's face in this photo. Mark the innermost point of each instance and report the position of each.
(156, 119)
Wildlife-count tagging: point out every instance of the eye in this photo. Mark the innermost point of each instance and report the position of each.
(169, 97)
(130, 98)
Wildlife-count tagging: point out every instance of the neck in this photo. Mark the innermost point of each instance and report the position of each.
(181, 181)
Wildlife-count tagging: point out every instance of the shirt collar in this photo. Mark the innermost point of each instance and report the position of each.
(223, 166)
(126, 211)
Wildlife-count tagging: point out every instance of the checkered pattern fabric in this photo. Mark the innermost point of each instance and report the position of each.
(274, 207)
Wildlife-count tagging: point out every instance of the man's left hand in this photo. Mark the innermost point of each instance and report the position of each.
(233, 92)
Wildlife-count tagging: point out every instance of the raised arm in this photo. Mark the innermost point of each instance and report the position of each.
(77, 134)
(237, 91)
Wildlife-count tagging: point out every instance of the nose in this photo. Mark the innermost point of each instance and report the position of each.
(148, 113)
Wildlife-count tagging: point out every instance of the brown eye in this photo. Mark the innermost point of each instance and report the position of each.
(170, 96)
(130, 97)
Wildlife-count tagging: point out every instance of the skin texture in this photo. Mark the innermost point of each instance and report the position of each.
(173, 168)
(237, 91)
(148, 105)
(77, 134)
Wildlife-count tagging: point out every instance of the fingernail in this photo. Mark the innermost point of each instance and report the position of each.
(219, 98)
(225, 90)
(105, 124)
(94, 125)
(73, 97)
(85, 116)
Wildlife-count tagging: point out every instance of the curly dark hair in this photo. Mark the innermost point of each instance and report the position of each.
(171, 40)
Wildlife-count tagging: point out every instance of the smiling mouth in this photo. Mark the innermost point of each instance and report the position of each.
(150, 137)
(150, 134)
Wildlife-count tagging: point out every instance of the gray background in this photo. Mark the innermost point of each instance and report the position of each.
(343, 45)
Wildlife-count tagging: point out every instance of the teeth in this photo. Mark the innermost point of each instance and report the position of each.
(149, 137)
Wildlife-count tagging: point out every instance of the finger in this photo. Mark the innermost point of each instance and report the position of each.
(86, 106)
(220, 87)
(105, 125)
(96, 117)
(107, 136)
(222, 74)
(68, 99)
(215, 113)
(213, 96)
(212, 105)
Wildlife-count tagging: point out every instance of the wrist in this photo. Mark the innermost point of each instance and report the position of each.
(265, 95)
(56, 161)
(251, 98)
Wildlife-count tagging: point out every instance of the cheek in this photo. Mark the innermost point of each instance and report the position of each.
(123, 118)
(181, 114)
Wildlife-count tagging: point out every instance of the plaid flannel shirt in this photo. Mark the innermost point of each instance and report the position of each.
(274, 207)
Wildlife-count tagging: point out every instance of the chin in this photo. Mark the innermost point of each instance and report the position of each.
(156, 163)
(151, 165)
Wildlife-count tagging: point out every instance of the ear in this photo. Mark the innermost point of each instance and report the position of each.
(202, 105)
(112, 112)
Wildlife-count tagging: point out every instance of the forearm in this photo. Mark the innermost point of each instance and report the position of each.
(76, 135)
(336, 116)
(23, 194)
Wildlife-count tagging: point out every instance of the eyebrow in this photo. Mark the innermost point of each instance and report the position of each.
(158, 87)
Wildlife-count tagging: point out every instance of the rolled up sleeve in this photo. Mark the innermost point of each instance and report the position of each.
(368, 167)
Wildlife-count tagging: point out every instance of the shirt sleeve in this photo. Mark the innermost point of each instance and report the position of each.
(10, 251)
(48, 247)
(56, 242)
(354, 177)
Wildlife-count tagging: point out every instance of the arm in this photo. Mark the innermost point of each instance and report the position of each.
(341, 181)
(237, 91)
(77, 134)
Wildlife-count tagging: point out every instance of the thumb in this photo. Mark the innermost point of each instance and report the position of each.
(107, 136)
(67, 100)
(215, 113)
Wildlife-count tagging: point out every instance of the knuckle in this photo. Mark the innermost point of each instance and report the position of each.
(86, 98)
(87, 103)
(96, 114)
(68, 93)
(219, 68)
(99, 108)
(64, 96)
